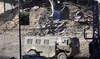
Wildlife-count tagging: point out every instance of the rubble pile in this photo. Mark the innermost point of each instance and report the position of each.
(8, 15)
(81, 13)
(8, 20)
(42, 24)
(78, 14)
(39, 19)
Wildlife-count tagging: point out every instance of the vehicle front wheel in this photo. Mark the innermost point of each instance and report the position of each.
(61, 55)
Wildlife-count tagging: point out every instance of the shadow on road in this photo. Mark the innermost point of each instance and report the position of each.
(81, 58)
(4, 57)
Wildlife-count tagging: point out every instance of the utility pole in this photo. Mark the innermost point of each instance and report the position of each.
(20, 47)
(4, 6)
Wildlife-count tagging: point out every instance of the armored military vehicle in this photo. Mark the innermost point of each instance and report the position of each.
(45, 42)
(59, 47)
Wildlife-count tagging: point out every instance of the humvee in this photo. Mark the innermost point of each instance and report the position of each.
(59, 47)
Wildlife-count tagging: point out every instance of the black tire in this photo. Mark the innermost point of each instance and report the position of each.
(62, 55)
(71, 57)
(32, 52)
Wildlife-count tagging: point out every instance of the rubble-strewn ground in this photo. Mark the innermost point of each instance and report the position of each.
(9, 44)
(9, 35)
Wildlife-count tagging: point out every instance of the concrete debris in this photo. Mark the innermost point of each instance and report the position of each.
(39, 19)
(47, 25)
(79, 13)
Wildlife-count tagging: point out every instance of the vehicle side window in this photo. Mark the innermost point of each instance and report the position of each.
(38, 41)
(46, 41)
(29, 41)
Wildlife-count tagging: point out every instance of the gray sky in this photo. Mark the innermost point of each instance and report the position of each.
(98, 1)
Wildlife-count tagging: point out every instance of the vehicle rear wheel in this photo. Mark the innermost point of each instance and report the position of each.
(61, 55)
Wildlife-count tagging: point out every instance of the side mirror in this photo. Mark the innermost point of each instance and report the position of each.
(56, 43)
